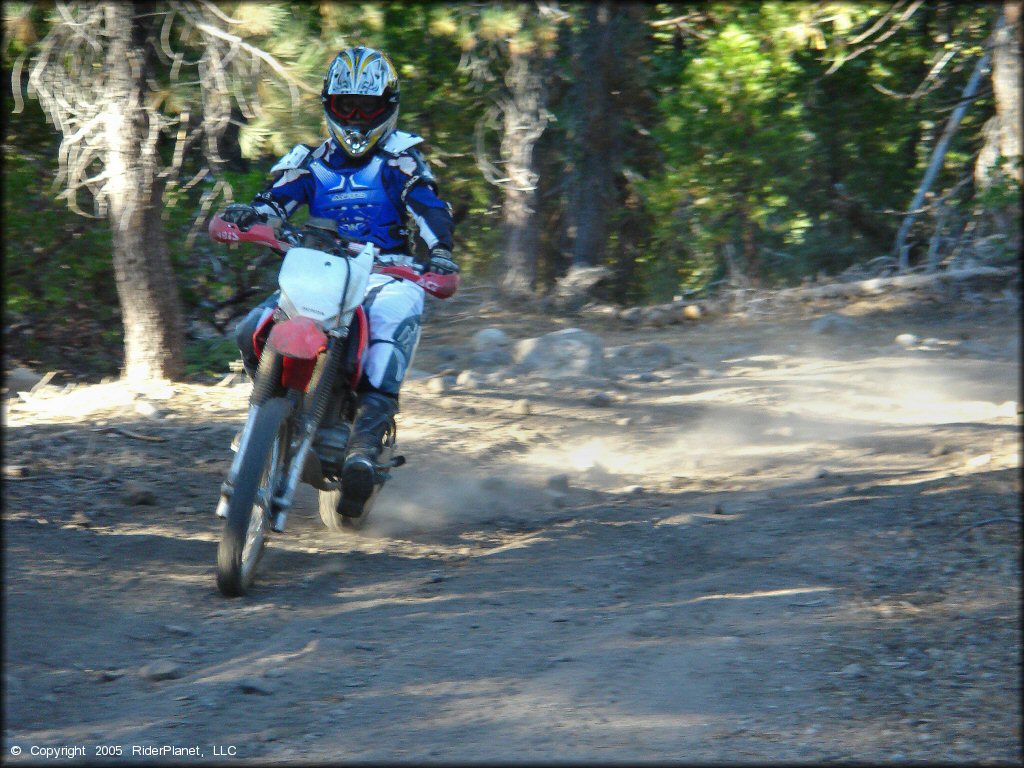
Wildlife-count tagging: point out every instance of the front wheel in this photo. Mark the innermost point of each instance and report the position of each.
(243, 539)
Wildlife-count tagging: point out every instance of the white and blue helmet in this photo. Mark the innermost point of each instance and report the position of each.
(360, 99)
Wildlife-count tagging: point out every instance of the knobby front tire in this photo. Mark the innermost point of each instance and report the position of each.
(244, 536)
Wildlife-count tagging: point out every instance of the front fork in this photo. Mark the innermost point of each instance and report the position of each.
(267, 377)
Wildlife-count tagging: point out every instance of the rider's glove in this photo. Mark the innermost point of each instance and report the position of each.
(441, 262)
(244, 216)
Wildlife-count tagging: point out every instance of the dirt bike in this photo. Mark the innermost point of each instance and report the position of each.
(303, 395)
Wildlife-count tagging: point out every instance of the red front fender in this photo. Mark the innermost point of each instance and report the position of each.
(299, 341)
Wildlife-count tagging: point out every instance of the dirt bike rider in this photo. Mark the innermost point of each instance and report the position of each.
(371, 180)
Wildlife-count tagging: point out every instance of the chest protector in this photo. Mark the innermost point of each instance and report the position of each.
(357, 200)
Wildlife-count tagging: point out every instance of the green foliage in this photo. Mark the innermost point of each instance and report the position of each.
(761, 135)
(59, 290)
(792, 169)
(209, 357)
(737, 151)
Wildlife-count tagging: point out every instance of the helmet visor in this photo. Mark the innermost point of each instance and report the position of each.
(351, 109)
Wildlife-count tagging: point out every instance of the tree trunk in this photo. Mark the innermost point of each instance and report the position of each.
(1002, 133)
(146, 286)
(596, 133)
(524, 121)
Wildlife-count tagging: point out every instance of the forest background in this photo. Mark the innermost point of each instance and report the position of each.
(686, 147)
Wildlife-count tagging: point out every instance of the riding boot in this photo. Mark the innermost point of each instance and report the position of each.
(372, 423)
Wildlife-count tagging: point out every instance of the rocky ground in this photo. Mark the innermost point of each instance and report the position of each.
(742, 538)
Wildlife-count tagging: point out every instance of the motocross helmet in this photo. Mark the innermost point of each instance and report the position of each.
(360, 98)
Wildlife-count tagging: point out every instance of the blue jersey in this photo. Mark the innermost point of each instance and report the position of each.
(372, 199)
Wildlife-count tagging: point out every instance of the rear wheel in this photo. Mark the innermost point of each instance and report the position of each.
(331, 501)
(244, 536)
(333, 520)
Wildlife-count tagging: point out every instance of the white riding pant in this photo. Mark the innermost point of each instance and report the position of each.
(394, 311)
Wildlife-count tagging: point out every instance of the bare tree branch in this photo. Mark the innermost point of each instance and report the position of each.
(217, 12)
(879, 23)
(842, 59)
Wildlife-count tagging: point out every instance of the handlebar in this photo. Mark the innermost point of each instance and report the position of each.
(441, 286)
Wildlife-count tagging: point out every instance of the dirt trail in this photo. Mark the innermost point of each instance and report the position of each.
(763, 552)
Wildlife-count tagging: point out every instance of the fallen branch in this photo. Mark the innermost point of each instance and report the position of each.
(962, 531)
(133, 435)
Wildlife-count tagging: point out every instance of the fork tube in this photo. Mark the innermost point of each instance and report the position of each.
(268, 378)
(228, 486)
(309, 426)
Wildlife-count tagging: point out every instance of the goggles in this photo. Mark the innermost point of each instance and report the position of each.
(350, 108)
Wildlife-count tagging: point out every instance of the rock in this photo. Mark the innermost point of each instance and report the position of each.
(109, 675)
(436, 577)
(440, 385)
(692, 312)
(558, 483)
(147, 409)
(522, 407)
(654, 316)
(185, 510)
(634, 490)
(939, 449)
(625, 421)
(491, 359)
(600, 400)
(852, 670)
(82, 518)
(163, 669)
(180, 631)
(468, 380)
(906, 340)
(832, 323)
(641, 357)
(819, 473)
(979, 461)
(630, 316)
(569, 352)
(253, 685)
(488, 339)
(16, 470)
(135, 495)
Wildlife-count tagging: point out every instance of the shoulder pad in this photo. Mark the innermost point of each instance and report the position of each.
(412, 163)
(294, 159)
(399, 141)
